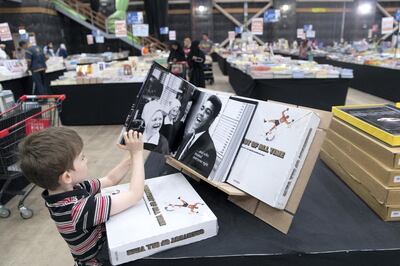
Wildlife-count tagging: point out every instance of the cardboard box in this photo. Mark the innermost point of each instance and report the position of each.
(388, 176)
(171, 214)
(388, 155)
(383, 194)
(387, 213)
(369, 122)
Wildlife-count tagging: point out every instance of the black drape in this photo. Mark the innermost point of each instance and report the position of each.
(157, 16)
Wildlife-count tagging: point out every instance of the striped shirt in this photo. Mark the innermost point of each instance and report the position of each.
(80, 215)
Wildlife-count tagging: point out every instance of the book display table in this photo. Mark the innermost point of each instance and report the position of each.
(223, 65)
(379, 81)
(22, 85)
(332, 226)
(315, 93)
(96, 104)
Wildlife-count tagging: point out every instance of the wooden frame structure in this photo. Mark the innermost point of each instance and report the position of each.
(279, 219)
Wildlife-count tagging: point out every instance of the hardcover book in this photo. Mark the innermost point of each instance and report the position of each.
(171, 214)
(260, 146)
(380, 121)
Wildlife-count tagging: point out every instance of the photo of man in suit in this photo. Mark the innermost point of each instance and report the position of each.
(197, 149)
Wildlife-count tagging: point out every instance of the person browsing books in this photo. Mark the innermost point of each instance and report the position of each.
(197, 149)
(153, 116)
(53, 159)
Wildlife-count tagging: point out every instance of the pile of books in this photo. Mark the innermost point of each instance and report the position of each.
(362, 148)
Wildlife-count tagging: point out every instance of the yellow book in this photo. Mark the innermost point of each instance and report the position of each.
(380, 120)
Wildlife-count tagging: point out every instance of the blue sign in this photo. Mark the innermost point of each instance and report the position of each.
(307, 27)
(238, 30)
(164, 30)
(272, 15)
(397, 16)
(135, 18)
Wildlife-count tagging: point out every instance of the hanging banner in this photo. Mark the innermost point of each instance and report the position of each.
(32, 40)
(257, 26)
(120, 28)
(307, 27)
(301, 34)
(272, 15)
(231, 35)
(172, 35)
(89, 39)
(310, 34)
(5, 33)
(397, 15)
(135, 18)
(238, 30)
(140, 30)
(99, 39)
(164, 30)
(387, 25)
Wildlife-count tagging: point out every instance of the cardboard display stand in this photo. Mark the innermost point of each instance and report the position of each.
(279, 219)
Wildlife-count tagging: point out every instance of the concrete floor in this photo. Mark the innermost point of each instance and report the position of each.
(36, 241)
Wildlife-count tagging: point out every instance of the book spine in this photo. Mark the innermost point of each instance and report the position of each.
(282, 198)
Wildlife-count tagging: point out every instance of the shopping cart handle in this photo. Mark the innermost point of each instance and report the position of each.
(60, 97)
(4, 133)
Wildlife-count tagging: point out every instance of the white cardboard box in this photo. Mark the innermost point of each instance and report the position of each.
(160, 221)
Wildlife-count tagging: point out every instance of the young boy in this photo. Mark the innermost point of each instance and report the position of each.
(53, 160)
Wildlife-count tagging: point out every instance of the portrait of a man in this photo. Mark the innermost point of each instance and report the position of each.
(197, 149)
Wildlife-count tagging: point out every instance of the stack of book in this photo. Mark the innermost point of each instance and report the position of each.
(362, 147)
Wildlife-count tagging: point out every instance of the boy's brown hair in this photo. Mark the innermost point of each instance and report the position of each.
(45, 155)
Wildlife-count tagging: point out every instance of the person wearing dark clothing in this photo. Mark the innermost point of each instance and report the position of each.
(37, 65)
(196, 60)
(62, 51)
(176, 60)
(176, 53)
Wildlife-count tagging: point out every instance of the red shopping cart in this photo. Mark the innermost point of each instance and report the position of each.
(31, 114)
(179, 68)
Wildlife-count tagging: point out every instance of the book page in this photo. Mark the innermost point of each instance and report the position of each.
(228, 135)
(160, 110)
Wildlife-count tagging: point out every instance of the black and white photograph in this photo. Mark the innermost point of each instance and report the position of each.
(159, 112)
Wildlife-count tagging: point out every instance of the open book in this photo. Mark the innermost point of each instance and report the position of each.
(224, 137)
(201, 128)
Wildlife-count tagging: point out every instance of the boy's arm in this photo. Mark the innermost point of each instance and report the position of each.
(124, 200)
(116, 174)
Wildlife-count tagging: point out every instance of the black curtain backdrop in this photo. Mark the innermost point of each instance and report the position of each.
(157, 16)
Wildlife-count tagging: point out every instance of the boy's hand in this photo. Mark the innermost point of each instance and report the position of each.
(133, 142)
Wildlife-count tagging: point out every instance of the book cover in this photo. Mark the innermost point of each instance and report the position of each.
(171, 214)
(380, 121)
(273, 152)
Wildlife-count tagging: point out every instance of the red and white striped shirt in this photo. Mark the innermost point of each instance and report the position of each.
(80, 215)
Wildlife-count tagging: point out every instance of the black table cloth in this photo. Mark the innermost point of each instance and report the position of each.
(222, 64)
(315, 93)
(97, 104)
(378, 81)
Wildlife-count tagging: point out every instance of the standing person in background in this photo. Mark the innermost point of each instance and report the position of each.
(48, 50)
(187, 42)
(303, 50)
(62, 51)
(206, 45)
(37, 65)
(3, 54)
(176, 53)
(196, 60)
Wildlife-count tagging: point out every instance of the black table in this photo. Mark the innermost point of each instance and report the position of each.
(315, 93)
(332, 227)
(97, 104)
(23, 86)
(222, 64)
(378, 81)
